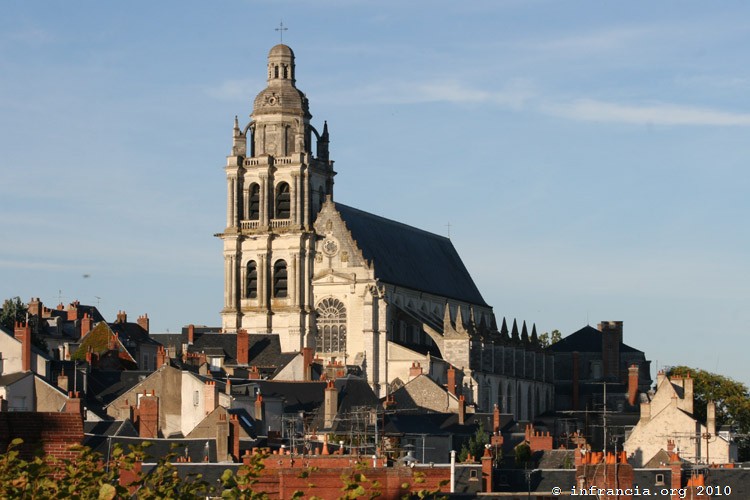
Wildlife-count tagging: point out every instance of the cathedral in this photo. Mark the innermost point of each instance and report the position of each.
(367, 293)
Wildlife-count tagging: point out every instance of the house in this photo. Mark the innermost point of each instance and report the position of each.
(667, 421)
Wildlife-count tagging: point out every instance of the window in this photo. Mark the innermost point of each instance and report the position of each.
(279, 279)
(251, 283)
(659, 479)
(283, 201)
(331, 319)
(216, 362)
(253, 209)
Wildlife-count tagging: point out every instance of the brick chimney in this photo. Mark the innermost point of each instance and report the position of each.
(86, 324)
(234, 437)
(611, 340)
(143, 322)
(22, 332)
(330, 404)
(122, 317)
(633, 373)
(161, 357)
(307, 361)
(148, 416)
(73, 310)
(415, 370)
(487, 470)
(254, 373)
(243, 347)
(210, 396)
(687, 385)
(73, 404)
(191, 334)
(496, 419)
(451, 386)
(461, 410)
(259, 408)
(645, 412)
(36, 307)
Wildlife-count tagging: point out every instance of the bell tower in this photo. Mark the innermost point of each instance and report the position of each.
(276, 186)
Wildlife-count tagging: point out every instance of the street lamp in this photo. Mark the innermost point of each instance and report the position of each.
(529, 473)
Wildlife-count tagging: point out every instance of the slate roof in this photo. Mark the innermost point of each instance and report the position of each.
(264, 350)
(12, 378)
(410, 257)
(587, 339)
(196, 448)
(104, 386)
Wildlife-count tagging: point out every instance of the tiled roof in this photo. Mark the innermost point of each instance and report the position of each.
(587, 339)
(410, 257)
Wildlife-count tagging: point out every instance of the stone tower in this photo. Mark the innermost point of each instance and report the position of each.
(276, 185)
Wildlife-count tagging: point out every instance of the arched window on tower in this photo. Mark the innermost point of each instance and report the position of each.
(331, 321)
(251, 284)
(253, 212)
(275, 71)
(283, 202)
(279, 279)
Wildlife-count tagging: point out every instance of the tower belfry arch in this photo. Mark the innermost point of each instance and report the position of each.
(277, 167)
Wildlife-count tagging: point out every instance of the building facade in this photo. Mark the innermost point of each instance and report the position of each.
(362, 290)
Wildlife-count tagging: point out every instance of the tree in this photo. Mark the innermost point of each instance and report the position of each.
(14, 310)
(732, 401)
(475, 446)
(547, 339)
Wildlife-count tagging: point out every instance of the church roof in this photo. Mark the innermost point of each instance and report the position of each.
(410, 257)
(587, 339)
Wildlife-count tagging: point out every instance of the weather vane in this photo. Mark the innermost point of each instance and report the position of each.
(281, 29)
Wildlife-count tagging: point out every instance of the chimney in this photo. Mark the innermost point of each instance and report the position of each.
(73, 404)
(711, 418)
(86, 323)
(73, 310)
(461, 410)
(191, 334)
(451, 380)
(645, 412)
(148, 416)
(210, 396)
(254, 373)
(415, 370)
(330, 404)
(161, 357)
(259, 408)
(687, 385)
(487, 470)
(611, 340)
(496, 420)
(228, 386)
(143, 322)
(576, 379)
(234, 437)
(22, 332)
(307, 361)
(62, 381)
(35, 307)
(122, 317)
(660, 377)
(633, 373)
(243, 347)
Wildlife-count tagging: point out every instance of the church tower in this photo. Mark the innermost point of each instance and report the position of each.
(276, 185)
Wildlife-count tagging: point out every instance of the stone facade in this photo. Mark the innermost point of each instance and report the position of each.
(367, 292)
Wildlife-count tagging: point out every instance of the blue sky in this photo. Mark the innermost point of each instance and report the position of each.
(591, 158)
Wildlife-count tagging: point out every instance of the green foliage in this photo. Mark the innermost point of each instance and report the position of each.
(355, 483)
(523, 454)
(240, 486)
(732, 401)
(14, 310)
(432, 494)
(475, 446)
(547, 339)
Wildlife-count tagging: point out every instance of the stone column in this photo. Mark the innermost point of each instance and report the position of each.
(293, 199)
(294, 280)
(230, 202)
(227, 266)
(263, 200)
(243, 282)
(262, 273)
(306, 200)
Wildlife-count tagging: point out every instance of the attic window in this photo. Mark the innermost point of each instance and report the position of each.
(473, 475)
(659, 479)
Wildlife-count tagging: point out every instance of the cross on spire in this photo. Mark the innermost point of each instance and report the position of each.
(281, 29)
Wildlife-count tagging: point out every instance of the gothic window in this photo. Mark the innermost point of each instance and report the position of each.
(279, 279)
(275, 71)
(254, 204)
(331, 320)
(251, 287)
(283, 202)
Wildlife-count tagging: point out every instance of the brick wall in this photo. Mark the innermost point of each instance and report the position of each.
(50, 433)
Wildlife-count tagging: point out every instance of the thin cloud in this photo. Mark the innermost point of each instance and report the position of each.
(657, 114)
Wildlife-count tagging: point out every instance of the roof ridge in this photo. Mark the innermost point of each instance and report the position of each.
(394, 222)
